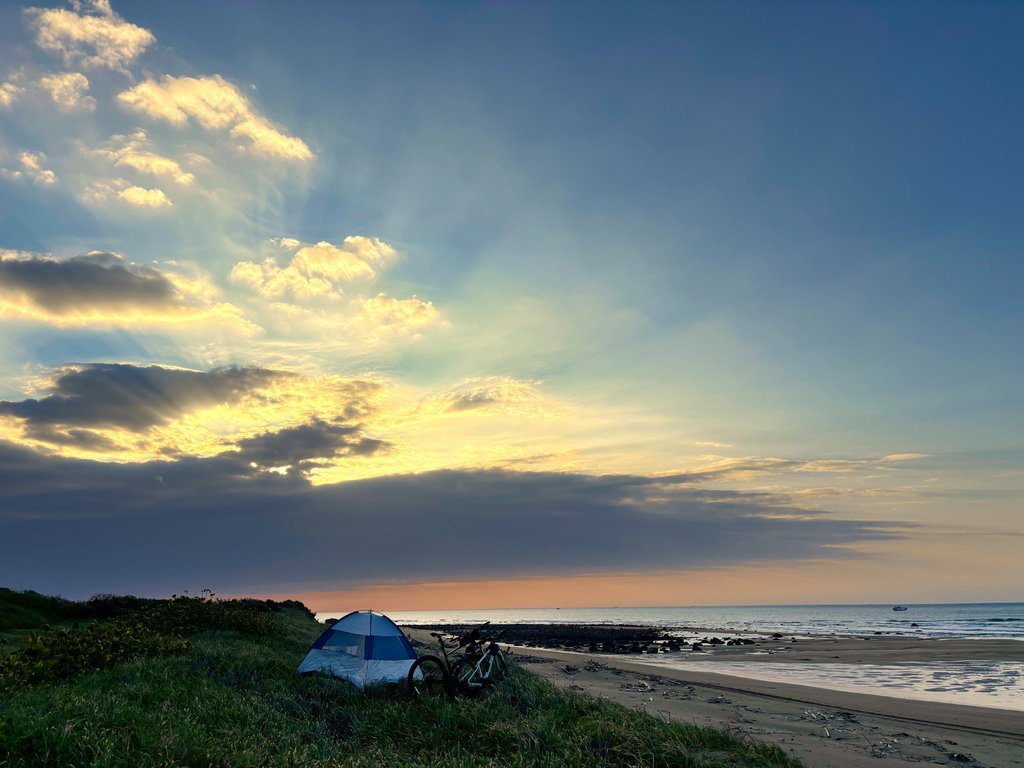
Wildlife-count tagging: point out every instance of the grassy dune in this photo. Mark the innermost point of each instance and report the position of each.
(230, 697)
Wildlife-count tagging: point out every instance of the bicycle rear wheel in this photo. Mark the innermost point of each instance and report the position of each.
(428, 677)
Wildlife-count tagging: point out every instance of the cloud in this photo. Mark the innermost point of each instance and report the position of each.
(386, 313)
(496, 392)
(904, 457)
(301, 448)
(31, 168)
(9, 93)
(321, 270)
(93, 280)
(132, 397)
(353, 326)
(32, 163)
(132, 152)
(323, 287)
(145, 198)
(103, 192)
(741, 468)
(223, 524)
(99, 288)
(68, 91)
(94, 37)
(216, 105)
(264, 418)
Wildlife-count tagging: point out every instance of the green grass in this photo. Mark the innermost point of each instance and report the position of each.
(233, 699)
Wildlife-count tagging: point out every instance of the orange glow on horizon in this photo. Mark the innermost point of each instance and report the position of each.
(879, 576)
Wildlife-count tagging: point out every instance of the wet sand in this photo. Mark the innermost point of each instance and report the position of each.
(824, 728)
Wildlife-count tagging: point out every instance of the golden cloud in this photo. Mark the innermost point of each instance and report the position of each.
(386, 313)
(31, 168)
(318, 270)
(68, 91)
(145, 198)
(9, 93)
(905, 456)
(216, 105)
(96, 37)
(132, 152)
(103, 192)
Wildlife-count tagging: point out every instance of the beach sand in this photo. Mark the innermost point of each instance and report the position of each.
(824, 728)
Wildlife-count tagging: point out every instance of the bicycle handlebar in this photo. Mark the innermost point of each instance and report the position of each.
(473, 636)
(493, 638)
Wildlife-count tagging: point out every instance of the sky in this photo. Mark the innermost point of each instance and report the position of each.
(513, 304)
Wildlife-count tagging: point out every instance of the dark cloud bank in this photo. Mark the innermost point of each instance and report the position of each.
(78, 527)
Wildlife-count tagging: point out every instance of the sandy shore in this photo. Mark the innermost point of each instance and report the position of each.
(824, 728)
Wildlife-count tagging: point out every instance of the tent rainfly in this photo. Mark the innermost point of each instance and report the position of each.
(362, 647)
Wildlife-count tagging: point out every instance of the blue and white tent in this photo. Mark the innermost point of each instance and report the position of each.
(363, 647)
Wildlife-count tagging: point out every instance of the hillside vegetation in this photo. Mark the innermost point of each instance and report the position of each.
(26, 610)
(202, 682)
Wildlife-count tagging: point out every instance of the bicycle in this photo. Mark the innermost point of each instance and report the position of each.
(474, 670)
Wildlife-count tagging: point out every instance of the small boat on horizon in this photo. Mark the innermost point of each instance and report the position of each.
(900, 608)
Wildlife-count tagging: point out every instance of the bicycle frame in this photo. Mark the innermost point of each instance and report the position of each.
(475, 670)
(476, 667)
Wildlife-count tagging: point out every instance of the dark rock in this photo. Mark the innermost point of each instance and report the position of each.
(594, 638)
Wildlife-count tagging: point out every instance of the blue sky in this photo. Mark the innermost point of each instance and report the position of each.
(732, 241)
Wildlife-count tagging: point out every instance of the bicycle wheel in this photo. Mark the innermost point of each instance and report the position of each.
(428, 677)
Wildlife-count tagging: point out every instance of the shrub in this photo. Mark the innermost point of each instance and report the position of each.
(67, 652)
(279, 605)
(105, 605)
(24, 610)
(184, 615)
(159, 628)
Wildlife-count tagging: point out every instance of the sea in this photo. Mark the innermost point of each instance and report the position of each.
(997, 683)
(966, 620)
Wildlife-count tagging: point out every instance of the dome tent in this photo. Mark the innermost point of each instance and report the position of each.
(362, 647)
